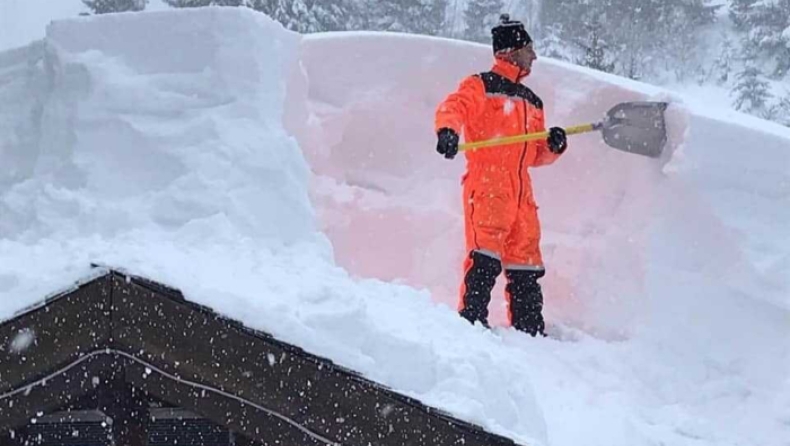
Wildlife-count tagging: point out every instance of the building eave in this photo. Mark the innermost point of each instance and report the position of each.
(190, 356)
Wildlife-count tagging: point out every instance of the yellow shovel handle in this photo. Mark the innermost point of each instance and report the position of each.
(522, 138)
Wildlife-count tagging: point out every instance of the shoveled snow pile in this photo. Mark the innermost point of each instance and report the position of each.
(291, 182)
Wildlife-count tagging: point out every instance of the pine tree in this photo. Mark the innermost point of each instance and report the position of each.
(552, 45)
(769, 28)
(595, 47)
(722, 66)
(639, 34)
(740, 12)
(480, 16)
(563, 28)
(779, 111)
(108, 6)
(331, 15)
(201, 3)
(681, 28)
(751, 91)
(306, 16)
(408, 16)
(265, 6)
(783, 110)
(292, 14)
(429, 17)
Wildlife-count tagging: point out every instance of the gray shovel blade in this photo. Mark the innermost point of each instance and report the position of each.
(636, 127)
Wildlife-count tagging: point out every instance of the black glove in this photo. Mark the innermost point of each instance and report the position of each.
(557, 140)
(448, 142)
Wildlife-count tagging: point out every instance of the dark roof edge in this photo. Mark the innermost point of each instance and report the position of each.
(97, 272)
(176, 295)
(173, 294)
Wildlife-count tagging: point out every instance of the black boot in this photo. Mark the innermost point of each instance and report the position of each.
(479, 280)
(526, 300)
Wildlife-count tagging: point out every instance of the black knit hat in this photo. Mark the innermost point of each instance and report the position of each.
(509, 35)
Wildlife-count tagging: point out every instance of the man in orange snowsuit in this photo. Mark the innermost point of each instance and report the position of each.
(501, 219)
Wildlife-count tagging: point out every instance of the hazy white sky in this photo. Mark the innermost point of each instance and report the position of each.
(22, 21)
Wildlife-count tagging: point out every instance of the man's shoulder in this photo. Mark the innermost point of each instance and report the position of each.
(496, 84)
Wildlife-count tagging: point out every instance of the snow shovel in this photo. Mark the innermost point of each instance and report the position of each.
(633, 127)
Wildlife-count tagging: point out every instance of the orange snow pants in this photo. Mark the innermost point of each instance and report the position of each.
(500, 225)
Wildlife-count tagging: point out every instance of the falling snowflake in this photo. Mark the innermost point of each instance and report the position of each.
(509, 106)
(22, 341)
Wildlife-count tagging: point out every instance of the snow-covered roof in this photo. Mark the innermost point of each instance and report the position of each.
(117, 332)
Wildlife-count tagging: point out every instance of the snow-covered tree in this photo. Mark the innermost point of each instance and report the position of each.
(769, 29)
(550, 44)
(751, 90)
(594, 47)
(199, 3)
(409, 16)
(108, 6)
(722, 66)
(480, 16)
(783, 110)
(639, 34)
(429, 17)
(673, 34)
(740, 12)
(292, 14)
(563, 19)
(298, 15)
(683, 46)
(332, 15)
(779, 111)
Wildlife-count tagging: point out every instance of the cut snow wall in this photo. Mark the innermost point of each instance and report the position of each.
(392, 206)
(135, 138)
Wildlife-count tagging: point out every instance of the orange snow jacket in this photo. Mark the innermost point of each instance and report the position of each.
(499, 207)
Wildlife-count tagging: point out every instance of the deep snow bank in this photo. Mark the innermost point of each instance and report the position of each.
(154, 142)
(164, 150)
(686, 256)
(381, 188)
(392, 206)
(151, 136)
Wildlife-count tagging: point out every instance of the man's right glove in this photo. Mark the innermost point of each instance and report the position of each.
(448, 142)
(557, 140)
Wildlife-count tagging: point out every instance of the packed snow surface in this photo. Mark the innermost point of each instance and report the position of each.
(291, 182)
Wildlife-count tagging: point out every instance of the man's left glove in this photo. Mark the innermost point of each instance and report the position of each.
(448, 142)
(557, 140)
